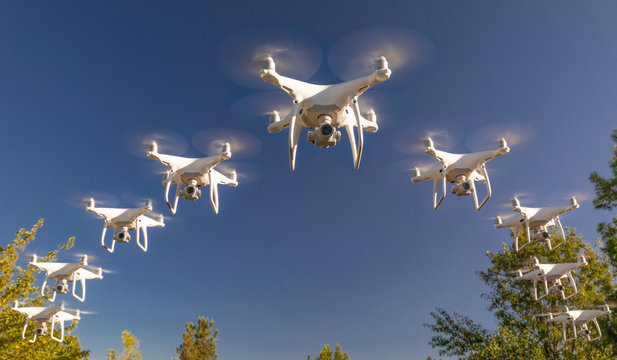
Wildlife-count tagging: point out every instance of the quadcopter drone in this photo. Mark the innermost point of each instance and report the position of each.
(193, 173)
(45, 316)
(123, 220)
(537, 219)
(578, 318)
(551, 273)
(463, 170)
(64, 273)
(324, 109)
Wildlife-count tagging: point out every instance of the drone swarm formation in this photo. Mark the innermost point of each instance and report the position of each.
(324, 110)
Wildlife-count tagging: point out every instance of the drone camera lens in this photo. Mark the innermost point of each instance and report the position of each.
(190, 190)
(545, 235)
(326, 130)
(466, 186)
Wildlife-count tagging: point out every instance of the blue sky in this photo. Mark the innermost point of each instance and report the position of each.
(325, 254)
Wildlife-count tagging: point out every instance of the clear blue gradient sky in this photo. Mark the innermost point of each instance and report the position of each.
(322, 255)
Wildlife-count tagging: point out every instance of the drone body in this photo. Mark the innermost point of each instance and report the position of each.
(193, 173)
(463, 170)
(537, 219)
(123, 220)
(65, 273)
(551, 275)
(578, 319)
(324, 109)
(43, 317)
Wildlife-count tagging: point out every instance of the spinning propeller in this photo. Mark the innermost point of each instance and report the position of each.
(408, 51)
(242, 54)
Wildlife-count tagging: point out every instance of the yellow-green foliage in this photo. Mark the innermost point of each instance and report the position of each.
(17, 283)
(130, 348)
(327, 354)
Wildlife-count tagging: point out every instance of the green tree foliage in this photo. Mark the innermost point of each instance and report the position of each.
(327, 354)
(17, 283)
(519, 335)
(606, 199)
(130, 348)
(199, 342)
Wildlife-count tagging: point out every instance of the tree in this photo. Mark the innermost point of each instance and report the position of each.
(17, 283)
(519, 335)
(130, 348)
(606, 199)
(199, 342)
(327, 354)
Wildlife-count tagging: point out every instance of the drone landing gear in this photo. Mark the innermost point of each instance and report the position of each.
(113, 242)
(443, 188)
(294, 133)
(53, 327)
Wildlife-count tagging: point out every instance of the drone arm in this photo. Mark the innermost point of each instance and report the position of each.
(214, 192)
(113, 242)
(443, 189)
(356, 110)
(82, 280)
(295, 127)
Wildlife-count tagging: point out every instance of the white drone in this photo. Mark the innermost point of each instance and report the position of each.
(324, 109)
(123, 220)
(537, 219)
(44, 316)
(578, 318)
(65, 273)
(551, 273)
(193, 173)
(463, 170)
